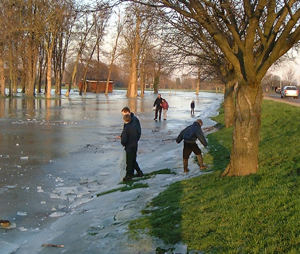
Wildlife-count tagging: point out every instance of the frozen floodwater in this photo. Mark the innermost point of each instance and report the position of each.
(55, 155)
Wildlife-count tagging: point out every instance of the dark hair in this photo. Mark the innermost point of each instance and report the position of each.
(126, 110)
(200, 121)
(127, 118)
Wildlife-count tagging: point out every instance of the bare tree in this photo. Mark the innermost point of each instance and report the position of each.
(114, 54)
(252, 35)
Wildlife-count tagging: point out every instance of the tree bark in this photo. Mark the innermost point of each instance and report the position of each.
(156, 83)
(229, 104)
(132, 86)
(2, 77)
(247, 118)
(49, 72)
(142, 80)
(198, 81)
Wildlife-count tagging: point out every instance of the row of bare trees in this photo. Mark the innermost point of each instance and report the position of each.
(38, 36)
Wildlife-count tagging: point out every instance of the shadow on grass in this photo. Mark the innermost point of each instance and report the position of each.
(162, 219)
(218, 156)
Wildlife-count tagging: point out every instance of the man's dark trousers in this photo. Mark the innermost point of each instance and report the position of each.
(131, 163)
(158, 109)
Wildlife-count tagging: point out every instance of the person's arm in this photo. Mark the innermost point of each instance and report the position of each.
(201, 137)
(155, 102)
(139, 129)
(124, 137)
(180, 136)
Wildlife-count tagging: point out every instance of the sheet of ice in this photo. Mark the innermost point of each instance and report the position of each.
(72, 155)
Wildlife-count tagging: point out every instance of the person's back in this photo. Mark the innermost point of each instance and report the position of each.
(130, 136)
(136, 123)
(190, 134)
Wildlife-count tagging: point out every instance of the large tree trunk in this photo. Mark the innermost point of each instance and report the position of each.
(49, 72)
(108, 79)
(2, 77)
(244, 152)
(198, 82)
(142, 81)
(156, 84)
(132, 86)
(229, 104)
(31, 72)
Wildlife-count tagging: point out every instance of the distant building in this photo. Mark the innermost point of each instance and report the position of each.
(95, 86)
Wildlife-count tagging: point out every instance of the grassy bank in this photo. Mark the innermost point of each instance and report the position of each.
(253, 214)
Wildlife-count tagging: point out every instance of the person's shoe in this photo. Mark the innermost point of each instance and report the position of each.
(155, 119)
(165, 119)
(127, 179)
(139, 173)
(200, 162)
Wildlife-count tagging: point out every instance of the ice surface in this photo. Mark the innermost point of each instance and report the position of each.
(71, 155)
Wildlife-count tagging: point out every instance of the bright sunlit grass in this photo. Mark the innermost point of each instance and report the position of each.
(253, 214)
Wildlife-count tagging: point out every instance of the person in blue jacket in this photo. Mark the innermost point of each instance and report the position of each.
(190, 134)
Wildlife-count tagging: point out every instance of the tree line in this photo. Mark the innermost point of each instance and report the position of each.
(44, 44)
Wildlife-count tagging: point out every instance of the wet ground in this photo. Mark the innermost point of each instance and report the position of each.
(55, 155)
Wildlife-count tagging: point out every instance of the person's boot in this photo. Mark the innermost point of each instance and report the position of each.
(185, 165)
(200, 161)
(139, 173)
(127, 178)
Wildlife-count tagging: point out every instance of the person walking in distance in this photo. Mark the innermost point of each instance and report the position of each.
(192, 107)
(165, 107)
(190, 134)
(157, 105)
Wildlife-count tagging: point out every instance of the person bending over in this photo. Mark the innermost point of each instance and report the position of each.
(190, 134)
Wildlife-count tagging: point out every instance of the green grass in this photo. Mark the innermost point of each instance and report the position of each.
(124, 188)
(130, 185)
(252, 214)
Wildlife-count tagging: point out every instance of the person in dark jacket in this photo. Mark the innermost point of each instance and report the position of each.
(126, 111)
(190, 134)
(158, 106)
(129, 139)
(137, 125)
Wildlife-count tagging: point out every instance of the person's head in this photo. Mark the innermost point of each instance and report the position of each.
(200, 122)
(163, 100)
(125, 111)
(127, 118)
(159, 96)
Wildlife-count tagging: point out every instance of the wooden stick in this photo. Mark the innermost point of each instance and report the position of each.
(53, 245)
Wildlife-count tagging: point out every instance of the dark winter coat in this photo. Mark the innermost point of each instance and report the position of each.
(157, 103)
(137, 124)
(191, 133)
(130, 136)
(192, 104)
